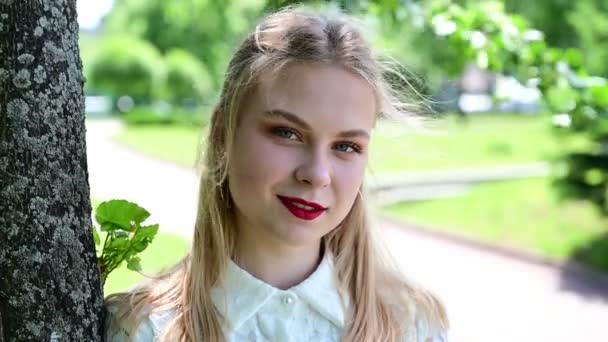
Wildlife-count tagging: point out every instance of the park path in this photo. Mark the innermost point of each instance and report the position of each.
(490, 296)
(167, 191)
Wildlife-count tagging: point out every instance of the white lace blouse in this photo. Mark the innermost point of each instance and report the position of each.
(255, 311)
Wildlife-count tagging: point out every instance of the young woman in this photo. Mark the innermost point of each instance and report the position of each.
(282, 247)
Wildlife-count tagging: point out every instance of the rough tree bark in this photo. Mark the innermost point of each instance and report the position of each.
(49, 282)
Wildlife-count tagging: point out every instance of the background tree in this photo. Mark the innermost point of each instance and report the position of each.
(570, 24)
(590, 20)
(209, 29)
(126, 65)
(49, 282)
(187, 78)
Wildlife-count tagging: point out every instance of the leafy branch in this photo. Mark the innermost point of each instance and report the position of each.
(125, 236)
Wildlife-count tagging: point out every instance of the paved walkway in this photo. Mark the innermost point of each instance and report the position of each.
(427, 185)
(167, 191)
(490, 297)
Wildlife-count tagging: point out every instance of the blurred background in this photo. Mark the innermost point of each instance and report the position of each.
(511, 160)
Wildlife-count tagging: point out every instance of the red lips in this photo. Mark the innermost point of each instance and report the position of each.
(311, 213)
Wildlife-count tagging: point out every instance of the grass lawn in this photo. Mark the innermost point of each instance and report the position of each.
(522, 214)
(176, 144)
(450, 144)
(485, 141)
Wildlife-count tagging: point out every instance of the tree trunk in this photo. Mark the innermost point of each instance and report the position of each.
(49, 281)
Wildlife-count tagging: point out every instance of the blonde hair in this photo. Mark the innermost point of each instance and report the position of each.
(380, 299)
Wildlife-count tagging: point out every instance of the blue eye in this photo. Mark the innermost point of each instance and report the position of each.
(285, 133)
(347, 147)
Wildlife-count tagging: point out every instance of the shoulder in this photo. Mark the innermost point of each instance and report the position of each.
(150, 328)
(423, 317)
(429, 318)
(428, 331)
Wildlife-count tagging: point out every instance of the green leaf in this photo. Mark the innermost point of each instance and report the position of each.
(108, 227)
(121, 213)
(143, 237)
(562, 98)
(594, 177)
(139, 247)
(96, 236)
(134, 263)
(574, 57)
(600, 95)
(121, 233)
(118, 243)
(146, 233)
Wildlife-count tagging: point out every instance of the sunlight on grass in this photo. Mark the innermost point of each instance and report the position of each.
(523, 214)
(449, 144)
(176, 144)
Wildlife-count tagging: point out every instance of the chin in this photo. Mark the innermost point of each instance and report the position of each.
(300, 235)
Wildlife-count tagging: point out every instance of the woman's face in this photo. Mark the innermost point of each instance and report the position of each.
(300, 153)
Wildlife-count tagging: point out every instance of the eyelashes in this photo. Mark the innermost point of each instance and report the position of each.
(291, 134)
(285, 133)
(348, 145)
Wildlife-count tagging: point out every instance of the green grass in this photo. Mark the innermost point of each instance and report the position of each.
(172, 143)
(449, 144)
(521, 214)
(485, 141)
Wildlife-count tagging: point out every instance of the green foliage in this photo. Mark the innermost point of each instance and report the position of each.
(167, 250)
(590, 20)
(549, 16)
(582, 24)
(524, 214)
(125, 236)
(187, 77)
(483, 32)
(209, 29)
(126, 65)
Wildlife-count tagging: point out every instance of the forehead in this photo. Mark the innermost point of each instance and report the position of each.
(323, 94)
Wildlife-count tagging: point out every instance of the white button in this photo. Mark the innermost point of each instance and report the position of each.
(287, 300)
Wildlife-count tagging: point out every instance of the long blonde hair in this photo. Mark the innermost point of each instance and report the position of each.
(380, 299)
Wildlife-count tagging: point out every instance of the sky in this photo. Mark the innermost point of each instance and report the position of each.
(90, 12)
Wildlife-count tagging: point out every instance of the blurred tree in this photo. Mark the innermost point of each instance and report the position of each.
(566, 24)
(590, 19)
(124, 65)
(549, 16)
(500, 42)
(187, 77)
(209, 29)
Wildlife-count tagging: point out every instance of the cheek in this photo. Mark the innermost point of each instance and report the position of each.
(348, 182)
(256, 163)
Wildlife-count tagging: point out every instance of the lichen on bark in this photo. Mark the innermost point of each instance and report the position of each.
(49, 282)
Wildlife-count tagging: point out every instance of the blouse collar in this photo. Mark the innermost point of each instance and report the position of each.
(243, 294)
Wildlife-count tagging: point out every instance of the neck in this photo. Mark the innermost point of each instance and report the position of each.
(277, 265)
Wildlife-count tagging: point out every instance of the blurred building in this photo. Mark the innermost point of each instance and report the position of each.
(481, 91)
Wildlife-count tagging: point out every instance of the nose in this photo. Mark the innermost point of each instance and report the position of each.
(315, 170)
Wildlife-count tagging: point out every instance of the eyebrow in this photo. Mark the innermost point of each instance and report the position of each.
(303, 124)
